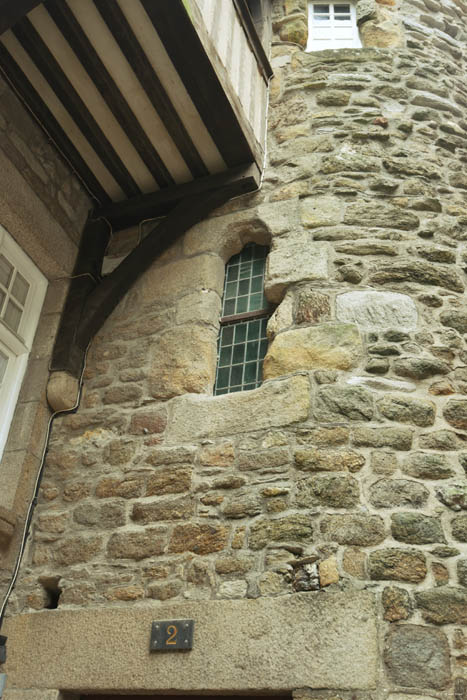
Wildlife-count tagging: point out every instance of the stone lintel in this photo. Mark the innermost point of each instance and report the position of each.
(311, 640)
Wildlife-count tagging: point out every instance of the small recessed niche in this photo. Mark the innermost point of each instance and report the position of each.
(52, 590)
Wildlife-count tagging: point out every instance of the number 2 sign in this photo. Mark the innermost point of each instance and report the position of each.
(171, 635)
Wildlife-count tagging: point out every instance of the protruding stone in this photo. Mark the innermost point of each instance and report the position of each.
(377, 310)
(396, 603)
(331, 491)
(408, 410)
(335, 403)
(415, 528)
(427, 465)
(328, 572)
(294, 258)
(62, 391)
(443, 606)
(326, 346)
(353, 529)
(455, 412)
(390, 493)
(397, 565)
(453, 495)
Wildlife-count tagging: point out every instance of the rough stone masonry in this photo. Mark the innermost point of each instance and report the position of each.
(347, 469)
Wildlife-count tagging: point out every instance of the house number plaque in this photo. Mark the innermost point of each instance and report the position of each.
(171, 635)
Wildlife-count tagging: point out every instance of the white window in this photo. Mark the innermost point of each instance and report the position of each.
(22, 291)
(332, 26)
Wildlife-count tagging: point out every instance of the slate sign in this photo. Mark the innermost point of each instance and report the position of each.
(172, 635)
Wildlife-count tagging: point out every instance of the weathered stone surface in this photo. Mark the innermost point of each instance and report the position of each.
(291, 528)
(275, 403)
(360, 530)
(328, 572)
(75, 550)
(320, 211)
(174, 480)
(455, 412)
(315, 460)
(184, 361)
(408, 410)
(242, 505)
(381, 383)
(390, 493)
(330, 491)
(383, 462)
(462, 572)
(397, 565)
(107, 515)
(454, 318)
(415, 528)
(311, 307)
(294, 258)
(440, 440)
(443, 606)
(453, 495)
(326, 346)
(163, 509)
(200, 539)
(417, 656)
(62, 391)
(148, 422)
(397, 438)
(263, 459)
(459, 527)
(427, 465)
(379, 215)
(282, 318)
(334, 403)
(377, 310)
(419, 367)
(396, 603)
(109, 487)
(418, 272)
(136, 544)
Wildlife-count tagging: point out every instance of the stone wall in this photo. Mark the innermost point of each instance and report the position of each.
(346, 469)
(43, 206)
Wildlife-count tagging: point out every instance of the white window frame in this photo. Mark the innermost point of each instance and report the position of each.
(332, 41)
(17, 345)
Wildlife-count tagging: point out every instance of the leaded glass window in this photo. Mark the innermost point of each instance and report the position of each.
(242, 341)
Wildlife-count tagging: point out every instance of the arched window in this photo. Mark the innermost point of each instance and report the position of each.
(242, 341)
(332, 25)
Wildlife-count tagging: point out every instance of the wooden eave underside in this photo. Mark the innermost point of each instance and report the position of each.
(128, 94)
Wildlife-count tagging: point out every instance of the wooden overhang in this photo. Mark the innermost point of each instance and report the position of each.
(158, 106)
(135, 94)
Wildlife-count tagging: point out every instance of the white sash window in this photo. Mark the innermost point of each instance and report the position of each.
(332, 26)
(22, 291)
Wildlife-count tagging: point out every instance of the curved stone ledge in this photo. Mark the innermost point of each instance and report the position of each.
(241, 645)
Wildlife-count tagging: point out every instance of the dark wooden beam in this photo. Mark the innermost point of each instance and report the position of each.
(129, 213)
(75, 106)
(79, 42)
(187, 53)
(125, 38)
(66, 355)
(11, 11)
(34, 103)
(103, 300)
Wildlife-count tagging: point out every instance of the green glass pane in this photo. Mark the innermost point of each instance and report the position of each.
(248, 387)
(252, 350)
(231, 290)
(218, 392)
(6, 271)
(263, 348)
(258, 267)
(250, 372)
(256, 301)
(245, 270)
(253, 330)
(232, 272)
(257, 284)
(341, 8)
(225, 357)
(321, 8)
(243, 287)
(229, 307)
(227, 334)
(261, 251)
(235, 389)
(236, 375)
(20, 288)
(264, 325)
(240, 332)
(238, 355)
(247, 253)
(223, 377)
(242, 305)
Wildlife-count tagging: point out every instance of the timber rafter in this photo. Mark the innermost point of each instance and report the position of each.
(91, 299)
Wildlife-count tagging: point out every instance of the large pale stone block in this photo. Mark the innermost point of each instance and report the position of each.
(294, 258)
(260, 645)
(321, 211)
(273, 404)
(326, 346)
(377, 310)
